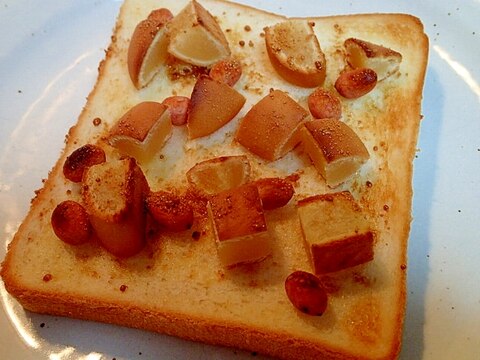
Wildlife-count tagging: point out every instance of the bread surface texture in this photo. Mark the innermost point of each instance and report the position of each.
(177, 285)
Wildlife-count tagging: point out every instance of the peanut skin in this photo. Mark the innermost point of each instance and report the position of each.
(352, 84)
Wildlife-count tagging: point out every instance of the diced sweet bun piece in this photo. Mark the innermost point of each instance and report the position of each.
(364, 54)
(147, 51)
(113, 196)
(219, 174)
(270, 127)
(295, 52)
(212, 105)
(171, 211)
(239, 224)
(196, 37)
(142, 131)
(335, 149)
(337, 233)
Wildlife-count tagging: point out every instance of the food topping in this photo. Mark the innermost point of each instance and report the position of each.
(269, 129)
(352, 84)
(147, 51)
(306, 293)
(196, 37)
(142, 131)
(226, 71)
(274, 192)
(363, 54)
(113, 196)
(169, 210)
(239, 225)
(212, 105)
(177, 107)
(295, 52)
(80, 159)
(70, 223)
(323, 104)
(335, 149)
(219, 174)
(337, 232)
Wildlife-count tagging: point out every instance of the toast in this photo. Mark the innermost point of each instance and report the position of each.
(176, 284)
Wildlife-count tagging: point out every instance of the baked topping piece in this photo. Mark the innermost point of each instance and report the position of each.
(335, 149)
(212, 105)
(295, 52)
(147, 51)
(352, 84)
(239, 225)
(173, 212)
(337, 232)
(269, 129)
(70, 223)
(142, 131)
(113, 196)
(364, 54)
(219, 174)
(227, 71)
(324, 104)
(306, 293)
(274, 192)
(80, 159)
(196, 37)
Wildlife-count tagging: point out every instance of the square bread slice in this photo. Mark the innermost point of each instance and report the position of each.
(177, 284)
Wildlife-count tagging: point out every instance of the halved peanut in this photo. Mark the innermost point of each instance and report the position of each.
(274, 192)
(178, 109)
(363, 54)
(80, 159)
(352, 84)
(70, 223)
(169, 210)
(306, 293)
(324, 104)
(226, 71)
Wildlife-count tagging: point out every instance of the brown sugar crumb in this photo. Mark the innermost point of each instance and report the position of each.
(47, 277)
(386, 207)
(247, 28)
(123, 288)
(250, 43)
(196, 235)
(97, 121)
(241, 43)
(369, 184)
(403, 267)
(375, 148)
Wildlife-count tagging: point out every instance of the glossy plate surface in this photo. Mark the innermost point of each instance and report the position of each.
(49, 53)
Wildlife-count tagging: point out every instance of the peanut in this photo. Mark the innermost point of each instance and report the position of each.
(81, 159)
(352, 84)
(70, 223)
(305, 292)
(323, 104)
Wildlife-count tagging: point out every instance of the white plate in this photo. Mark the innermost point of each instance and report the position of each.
(49, 52)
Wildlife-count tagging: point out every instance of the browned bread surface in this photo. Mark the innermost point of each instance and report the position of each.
(176, 284)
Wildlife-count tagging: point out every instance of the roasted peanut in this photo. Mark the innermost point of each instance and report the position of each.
(80, 159)
(323, 104)
(70, 223)
(169, 210)
(305, 292)
(177, 106)
(352, 84)
(226, 71)
(274, 192)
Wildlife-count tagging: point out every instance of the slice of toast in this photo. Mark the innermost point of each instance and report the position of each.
(177, 284)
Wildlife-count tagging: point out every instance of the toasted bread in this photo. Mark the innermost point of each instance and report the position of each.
(177, 284)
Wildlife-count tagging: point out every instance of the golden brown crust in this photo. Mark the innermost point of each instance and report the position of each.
(249, 335)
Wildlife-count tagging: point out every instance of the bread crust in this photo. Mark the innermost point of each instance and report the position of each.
(39, 295)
